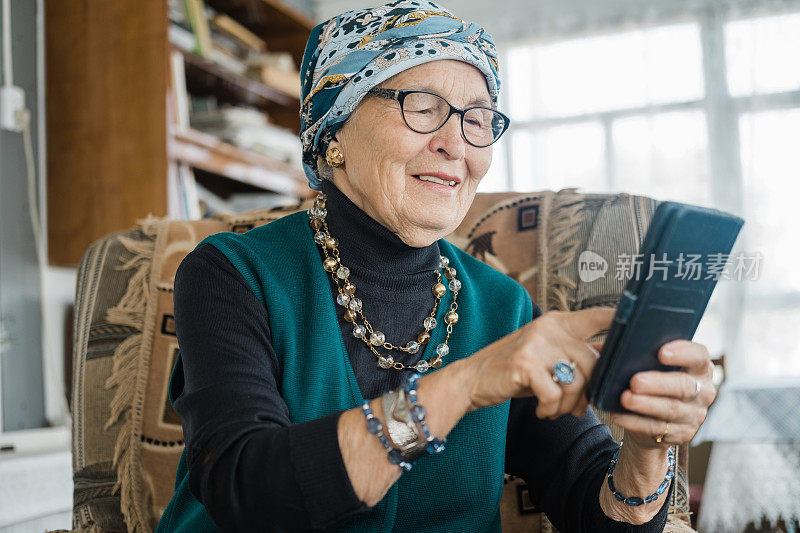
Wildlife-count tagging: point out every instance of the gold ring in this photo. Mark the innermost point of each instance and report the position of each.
(660, 437)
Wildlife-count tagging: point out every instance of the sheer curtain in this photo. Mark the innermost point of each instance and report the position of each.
(697, 102)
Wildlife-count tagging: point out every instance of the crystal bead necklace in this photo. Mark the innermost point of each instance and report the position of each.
(346, 298)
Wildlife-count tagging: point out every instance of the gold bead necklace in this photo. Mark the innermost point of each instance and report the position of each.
(347, 299)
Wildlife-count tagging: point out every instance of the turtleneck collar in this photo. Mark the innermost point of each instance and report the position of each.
(372, 252)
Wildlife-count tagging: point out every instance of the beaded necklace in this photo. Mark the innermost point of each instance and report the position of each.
(346, 298)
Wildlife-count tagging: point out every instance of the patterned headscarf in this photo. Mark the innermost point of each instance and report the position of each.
(351, 53)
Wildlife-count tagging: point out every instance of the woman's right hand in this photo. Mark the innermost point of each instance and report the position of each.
(521, 363)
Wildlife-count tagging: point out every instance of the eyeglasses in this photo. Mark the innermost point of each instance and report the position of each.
(426, 112)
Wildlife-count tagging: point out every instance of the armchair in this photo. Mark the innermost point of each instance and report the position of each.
(126, 437)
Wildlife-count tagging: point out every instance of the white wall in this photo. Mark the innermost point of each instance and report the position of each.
(20, 290)
(36, 479)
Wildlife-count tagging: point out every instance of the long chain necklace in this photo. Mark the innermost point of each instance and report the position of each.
(346, 298)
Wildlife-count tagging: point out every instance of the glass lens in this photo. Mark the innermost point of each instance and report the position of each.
(483, 126)
(424, 112)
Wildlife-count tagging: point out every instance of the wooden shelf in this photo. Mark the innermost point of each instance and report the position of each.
(204, 76)
(283, 27)
(208, 153)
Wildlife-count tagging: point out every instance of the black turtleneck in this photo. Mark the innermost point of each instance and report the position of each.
(254, 470)
(392, 279)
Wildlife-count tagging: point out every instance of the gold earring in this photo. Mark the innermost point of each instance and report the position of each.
(334, 157)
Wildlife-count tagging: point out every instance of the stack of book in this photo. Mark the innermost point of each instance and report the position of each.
(232, 56)
(199, 29)
(249, 129)
(275, 69)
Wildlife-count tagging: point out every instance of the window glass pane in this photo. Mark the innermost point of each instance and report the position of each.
(673, 63)
(760, 54)
(711, 330)
(622, 70)
(772, 342)
(771, 168)
(518, 83)
(496, 178)
(558, 157)
(664, 156)
(522, 177)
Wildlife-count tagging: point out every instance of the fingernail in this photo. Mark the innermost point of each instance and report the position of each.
(594, 350)
(628, 394)
(667, 353)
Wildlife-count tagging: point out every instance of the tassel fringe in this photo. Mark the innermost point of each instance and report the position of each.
(130, 311)
(562, 247)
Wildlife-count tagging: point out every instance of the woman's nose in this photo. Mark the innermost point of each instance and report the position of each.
(449, 140)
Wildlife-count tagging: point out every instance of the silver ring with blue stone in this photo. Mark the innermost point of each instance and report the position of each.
(564, 372)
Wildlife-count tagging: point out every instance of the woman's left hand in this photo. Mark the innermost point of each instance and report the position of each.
(675, 402)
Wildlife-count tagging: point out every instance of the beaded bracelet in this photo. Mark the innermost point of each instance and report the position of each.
(418, 415)
(375, 427)
(635, 500)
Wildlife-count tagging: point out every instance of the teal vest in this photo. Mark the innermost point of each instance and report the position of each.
(457, 490)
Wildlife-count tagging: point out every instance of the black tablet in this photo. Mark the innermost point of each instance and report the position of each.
(681, 258)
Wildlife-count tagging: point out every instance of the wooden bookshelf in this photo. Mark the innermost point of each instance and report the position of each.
(208, 153)
(209, 77)
(110, 136)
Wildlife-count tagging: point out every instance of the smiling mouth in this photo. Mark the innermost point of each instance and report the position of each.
(435, 180)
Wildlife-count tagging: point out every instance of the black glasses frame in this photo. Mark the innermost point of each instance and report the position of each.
(401, 94)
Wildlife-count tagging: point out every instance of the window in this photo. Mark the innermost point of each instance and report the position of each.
(758, 55)
(496, 179)
(771, 169)
(560, 154)
(620, 71)
(602, 113)
(663, 155)
(665, 112)
(764, 85)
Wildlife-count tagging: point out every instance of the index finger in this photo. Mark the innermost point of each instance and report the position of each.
(587, 322)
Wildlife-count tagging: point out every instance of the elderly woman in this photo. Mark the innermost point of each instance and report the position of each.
(347, 368)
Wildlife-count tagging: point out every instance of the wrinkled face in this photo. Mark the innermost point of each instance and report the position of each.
(383, 158)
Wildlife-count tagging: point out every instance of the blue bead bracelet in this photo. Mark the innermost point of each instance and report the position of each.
(375, 427)
(418, 415)
(635, 500)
